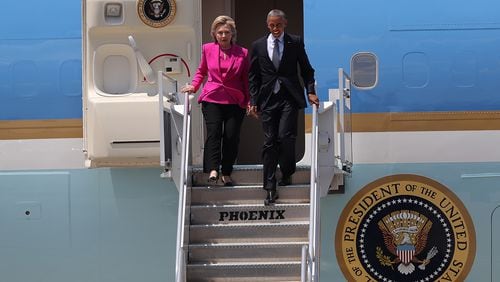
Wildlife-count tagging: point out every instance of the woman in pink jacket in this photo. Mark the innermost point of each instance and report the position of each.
(224, 97)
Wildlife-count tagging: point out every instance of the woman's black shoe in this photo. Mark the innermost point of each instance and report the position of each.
(214, 177)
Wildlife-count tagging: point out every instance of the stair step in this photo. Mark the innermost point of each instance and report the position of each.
(248, 272)
(246, 252)
(244, 232)
(213, 214)
(250, 194)
(251, 175)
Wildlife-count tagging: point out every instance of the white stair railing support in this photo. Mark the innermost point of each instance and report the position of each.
(313, 249)
(304, 268)
(311, 253)
(180, 262)
(165, 124)
(344, 94)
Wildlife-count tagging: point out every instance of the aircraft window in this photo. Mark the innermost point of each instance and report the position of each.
(70, 78)
(364, 70)
(464, 69)
(415, 70)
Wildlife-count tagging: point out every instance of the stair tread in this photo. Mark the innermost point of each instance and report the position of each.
(253, 224)
(256, 167)
(248, 244)
(247, 205)
(247, 264)
(249, 186)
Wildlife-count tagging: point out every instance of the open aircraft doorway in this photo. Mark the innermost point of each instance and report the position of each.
(250, 17)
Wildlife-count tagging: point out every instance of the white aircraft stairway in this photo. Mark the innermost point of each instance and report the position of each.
(228, 233)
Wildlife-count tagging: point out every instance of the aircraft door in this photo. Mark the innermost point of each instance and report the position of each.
(125, 44)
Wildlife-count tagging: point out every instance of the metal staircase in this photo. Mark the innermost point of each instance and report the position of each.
(233, 236)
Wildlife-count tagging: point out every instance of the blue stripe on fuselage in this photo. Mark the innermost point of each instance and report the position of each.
(432, 56)
(40, 61)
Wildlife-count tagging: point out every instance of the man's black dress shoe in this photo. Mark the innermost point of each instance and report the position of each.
(226, 179)
(285, 181)
(272, 196)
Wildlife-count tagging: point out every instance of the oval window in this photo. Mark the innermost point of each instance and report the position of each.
(364, 70)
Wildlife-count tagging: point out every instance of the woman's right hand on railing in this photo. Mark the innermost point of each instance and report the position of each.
(188, 88)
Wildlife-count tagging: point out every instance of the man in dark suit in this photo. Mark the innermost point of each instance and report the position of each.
(276, 93)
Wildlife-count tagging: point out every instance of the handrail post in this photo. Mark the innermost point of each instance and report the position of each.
(344, 93)
(180, 256)
(341, 115)
(162, 122)
(303, 263)
(314, 214)
(165, 141)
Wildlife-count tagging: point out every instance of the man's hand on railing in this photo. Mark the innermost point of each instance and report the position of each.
(313, 99)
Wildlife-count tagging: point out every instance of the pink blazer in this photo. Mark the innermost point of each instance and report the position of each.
(232, 88)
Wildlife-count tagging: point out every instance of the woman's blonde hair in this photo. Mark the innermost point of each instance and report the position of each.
(224, 20)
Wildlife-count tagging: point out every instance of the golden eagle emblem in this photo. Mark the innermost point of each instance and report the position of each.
(405, 237)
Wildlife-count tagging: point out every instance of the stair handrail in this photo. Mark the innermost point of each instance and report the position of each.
(311, 262)
(344, 94)
(180, 260)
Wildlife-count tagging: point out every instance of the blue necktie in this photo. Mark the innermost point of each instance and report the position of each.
(276, 54)
(276, 63)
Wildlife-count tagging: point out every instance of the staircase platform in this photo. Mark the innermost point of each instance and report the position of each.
(250, 175)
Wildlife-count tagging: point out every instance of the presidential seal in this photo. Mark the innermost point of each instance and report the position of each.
(405, 228)
(156, 13)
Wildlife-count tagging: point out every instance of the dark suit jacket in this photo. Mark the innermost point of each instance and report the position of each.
(263, 74)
